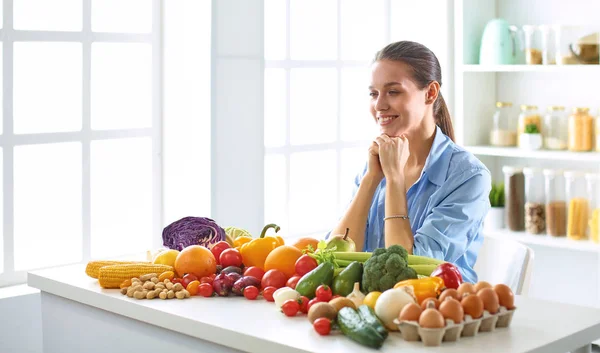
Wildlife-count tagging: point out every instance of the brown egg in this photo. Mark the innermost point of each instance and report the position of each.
(427, 300)
(506, 297)
(480, 285)
(410, 312)
(431, 318)
(472, 305)
(450, 292)
(489, 299)
(466, 287)
(451, 309)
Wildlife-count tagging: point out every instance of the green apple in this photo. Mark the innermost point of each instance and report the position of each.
(341, 242)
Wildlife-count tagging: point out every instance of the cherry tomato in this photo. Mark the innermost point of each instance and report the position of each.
(205, 290)
(305, 264)
(323, 292)
(192, 287)
(290, 307)
(213, 276)
(230, 257)
(255, 272)
(311, 302)
(187, 279)
(322, 325)
(218, 248)
(274, 278)
(250, 292)
(293, 281)
(176, 280)
(303, 301)
(206, 280)
(268, 293)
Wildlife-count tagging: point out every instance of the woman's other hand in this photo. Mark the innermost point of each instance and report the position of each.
(393, 154)
(374, 168)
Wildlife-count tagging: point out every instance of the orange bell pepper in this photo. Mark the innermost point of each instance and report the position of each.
(255, 252)
(428, 287)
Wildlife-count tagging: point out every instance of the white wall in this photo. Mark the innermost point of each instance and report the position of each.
(20, 320)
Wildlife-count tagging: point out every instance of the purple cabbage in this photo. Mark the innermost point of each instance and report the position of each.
(192, 231)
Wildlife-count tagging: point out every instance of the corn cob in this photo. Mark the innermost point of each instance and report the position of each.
(112, 276)
(93, 267)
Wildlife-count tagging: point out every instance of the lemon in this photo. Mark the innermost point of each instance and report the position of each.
(166, 257)
(235, 232)
(371, 299)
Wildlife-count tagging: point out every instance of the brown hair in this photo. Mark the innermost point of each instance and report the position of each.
(426, 68)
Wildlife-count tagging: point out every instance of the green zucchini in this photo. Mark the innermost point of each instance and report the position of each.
(368, 315)
(357, 329)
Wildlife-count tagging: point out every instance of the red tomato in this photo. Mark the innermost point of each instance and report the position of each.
(205, 289)
(290, 307)
(303, 301)
(323, 293)
(268, 293)
(250, 292)
(293, 281)
(176, 280)
(213, 276)
(305, 264)
(218, 248)
(230, 257)
(274, 278)
(255, 272)
(311, 302)
(322, 325)
(187, 279)
(206, 280)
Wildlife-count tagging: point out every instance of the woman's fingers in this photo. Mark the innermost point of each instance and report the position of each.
(374, 149)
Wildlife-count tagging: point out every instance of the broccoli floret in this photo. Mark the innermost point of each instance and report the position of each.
(385, 268)
(394, 263)
(378, 251)
(397, 249)
(408, 273)
(387, 281)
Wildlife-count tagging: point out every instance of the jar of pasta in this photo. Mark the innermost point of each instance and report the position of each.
(556, 128)
(577, 197)
(581, 132)
(504, 131)
(593, 190)
(535, 214)
(514, 198)
(597, 137)
(556, 205)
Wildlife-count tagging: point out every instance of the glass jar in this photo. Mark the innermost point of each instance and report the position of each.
(581, 133)
(504, 131)
(593, 190)
(514, 197)
(535, 214)
(556, 205)
(529, 116)
(597, 137)
(556, 128)
(577, 197)
(548, 42)
(533, 47)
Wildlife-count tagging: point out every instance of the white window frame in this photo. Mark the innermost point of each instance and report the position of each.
(8, 140)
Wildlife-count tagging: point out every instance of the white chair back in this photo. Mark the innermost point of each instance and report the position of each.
(504, 260)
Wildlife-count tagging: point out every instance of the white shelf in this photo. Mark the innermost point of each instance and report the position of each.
(546, 240)
(532, 68)
(541, 154)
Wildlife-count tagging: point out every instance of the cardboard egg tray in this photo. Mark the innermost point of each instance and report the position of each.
(411, 331)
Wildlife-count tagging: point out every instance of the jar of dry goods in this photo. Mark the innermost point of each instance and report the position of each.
(514, 197)
(577, 198)
(529, 116)
(556, 205)
(504, 131)
(556, 128)
(581, 130)
(593, 190)
(597, 137)
(535, 214)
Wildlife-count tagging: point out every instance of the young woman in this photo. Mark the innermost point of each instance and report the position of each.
(418, 189)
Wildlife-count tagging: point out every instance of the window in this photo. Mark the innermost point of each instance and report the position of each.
(317, 121)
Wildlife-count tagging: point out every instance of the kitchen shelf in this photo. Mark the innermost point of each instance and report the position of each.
(546, 240)
(532, 68)
(538, 154)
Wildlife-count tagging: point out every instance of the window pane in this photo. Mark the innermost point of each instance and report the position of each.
(275, 107)
(353, 163)
(313, 191)
(121, 199)
(123, 16)
(313, 29)
(356, 119)
(313, 106)
(362, 29)
(47, 203)
(47, 87)
(44, 15)
(121, 86)
(275, 29)
(276, 192)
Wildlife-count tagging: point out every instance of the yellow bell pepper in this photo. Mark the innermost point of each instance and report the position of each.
(239, 241)
(428, 287)
(255, 252)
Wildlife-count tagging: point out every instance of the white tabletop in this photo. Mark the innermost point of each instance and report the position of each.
(257, 326)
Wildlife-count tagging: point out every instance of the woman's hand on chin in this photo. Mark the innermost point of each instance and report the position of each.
(393, 154)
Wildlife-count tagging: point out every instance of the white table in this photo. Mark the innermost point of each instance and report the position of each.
(79, 316)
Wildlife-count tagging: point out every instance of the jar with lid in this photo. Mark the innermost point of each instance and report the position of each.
(556, 128)
(556, 205)
(577, 198)
(504, 131)
(530, 127)
(514, 197)
(535, 214)
(593, 190)
(581, 133)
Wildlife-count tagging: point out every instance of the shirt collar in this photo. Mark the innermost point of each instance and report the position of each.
(438, 160)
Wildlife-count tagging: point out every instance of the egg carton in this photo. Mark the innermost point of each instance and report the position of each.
(411, 331)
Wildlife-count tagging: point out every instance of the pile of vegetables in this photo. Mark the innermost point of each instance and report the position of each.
(192, 231)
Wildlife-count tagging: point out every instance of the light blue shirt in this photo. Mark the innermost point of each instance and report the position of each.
(446, 206)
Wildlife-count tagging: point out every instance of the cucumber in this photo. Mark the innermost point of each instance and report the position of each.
(368, 315)
(357, 329)
(343, 284)
(307, 285)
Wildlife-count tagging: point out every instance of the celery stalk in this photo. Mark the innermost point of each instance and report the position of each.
(423, 260)
(424, 270)
(352, 256)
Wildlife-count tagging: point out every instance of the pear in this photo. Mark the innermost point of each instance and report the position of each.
(341, 242)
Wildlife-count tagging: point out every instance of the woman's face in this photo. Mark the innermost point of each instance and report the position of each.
(397, 104)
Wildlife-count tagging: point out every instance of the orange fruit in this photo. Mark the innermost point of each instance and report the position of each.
(303, 243)
(197, 260)
(283, 258)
